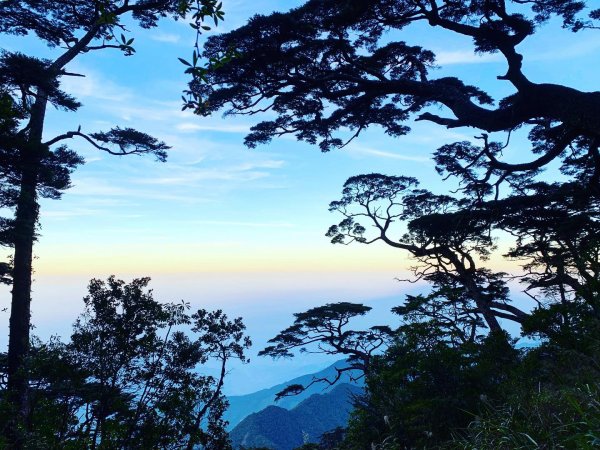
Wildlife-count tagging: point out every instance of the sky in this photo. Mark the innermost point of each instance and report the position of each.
(223, 226)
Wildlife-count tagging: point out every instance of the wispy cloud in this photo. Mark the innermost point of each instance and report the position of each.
(169, 114)
(188, 175)
(264, 164)
(94, 187)
(130, 113)
(228, 223)
(445, 58)
(560, 51)
(224, 126)
(67, 214)
(390, 155)
(194, 177)
(169, 38)
(95, 86)
(583, 47)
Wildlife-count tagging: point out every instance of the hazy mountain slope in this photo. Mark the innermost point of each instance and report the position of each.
(240, 406)
(280, 429)
(273, 427)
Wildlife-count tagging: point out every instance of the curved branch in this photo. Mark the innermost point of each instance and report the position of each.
(72, 134)
(559, 147)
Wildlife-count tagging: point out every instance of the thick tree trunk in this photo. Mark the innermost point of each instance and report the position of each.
(26, 217)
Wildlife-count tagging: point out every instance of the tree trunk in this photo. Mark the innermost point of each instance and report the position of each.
(26, 217)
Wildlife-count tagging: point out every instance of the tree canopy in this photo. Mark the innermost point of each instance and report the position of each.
(132, 376)
(324, 330)
(333, 65)
(325, 72)
(328, 70)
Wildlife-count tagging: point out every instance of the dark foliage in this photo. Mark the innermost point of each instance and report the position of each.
(324, 330)
(326, 71)
(327, 66)
(129, 378)
(337, 65)
(446, 237)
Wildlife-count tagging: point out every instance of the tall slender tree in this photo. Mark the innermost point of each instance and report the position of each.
(34, 167)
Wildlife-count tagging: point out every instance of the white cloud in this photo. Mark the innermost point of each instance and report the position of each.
(94, 86)
(188, 175)
(160, 36)
(383, 154)
(245, 224)
(583, 47)
(534, 51)
(64, 214)
(192, 178)
(95, 187)
(137, 113)
(445, 58)
(211, 125)
(266, 164)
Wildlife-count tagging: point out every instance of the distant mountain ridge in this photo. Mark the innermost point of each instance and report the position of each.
(281, 429)
(241, 406)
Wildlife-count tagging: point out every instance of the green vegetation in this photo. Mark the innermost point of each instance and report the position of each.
(284, 429)
(130, 376)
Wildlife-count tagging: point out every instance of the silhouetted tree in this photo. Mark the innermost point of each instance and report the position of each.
(557, 237)
(130, 377)
(445, 239)
(324, 330)
(32, 166)
(337, 64)
(329, 69)
(426, 387)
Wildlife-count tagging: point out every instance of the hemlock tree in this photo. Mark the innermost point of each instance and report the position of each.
(330, 69)
(33, 167)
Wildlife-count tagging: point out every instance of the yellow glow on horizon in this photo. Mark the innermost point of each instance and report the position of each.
(181, 258)
(198, 258)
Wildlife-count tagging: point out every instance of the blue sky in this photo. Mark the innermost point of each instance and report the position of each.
(223, 226)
